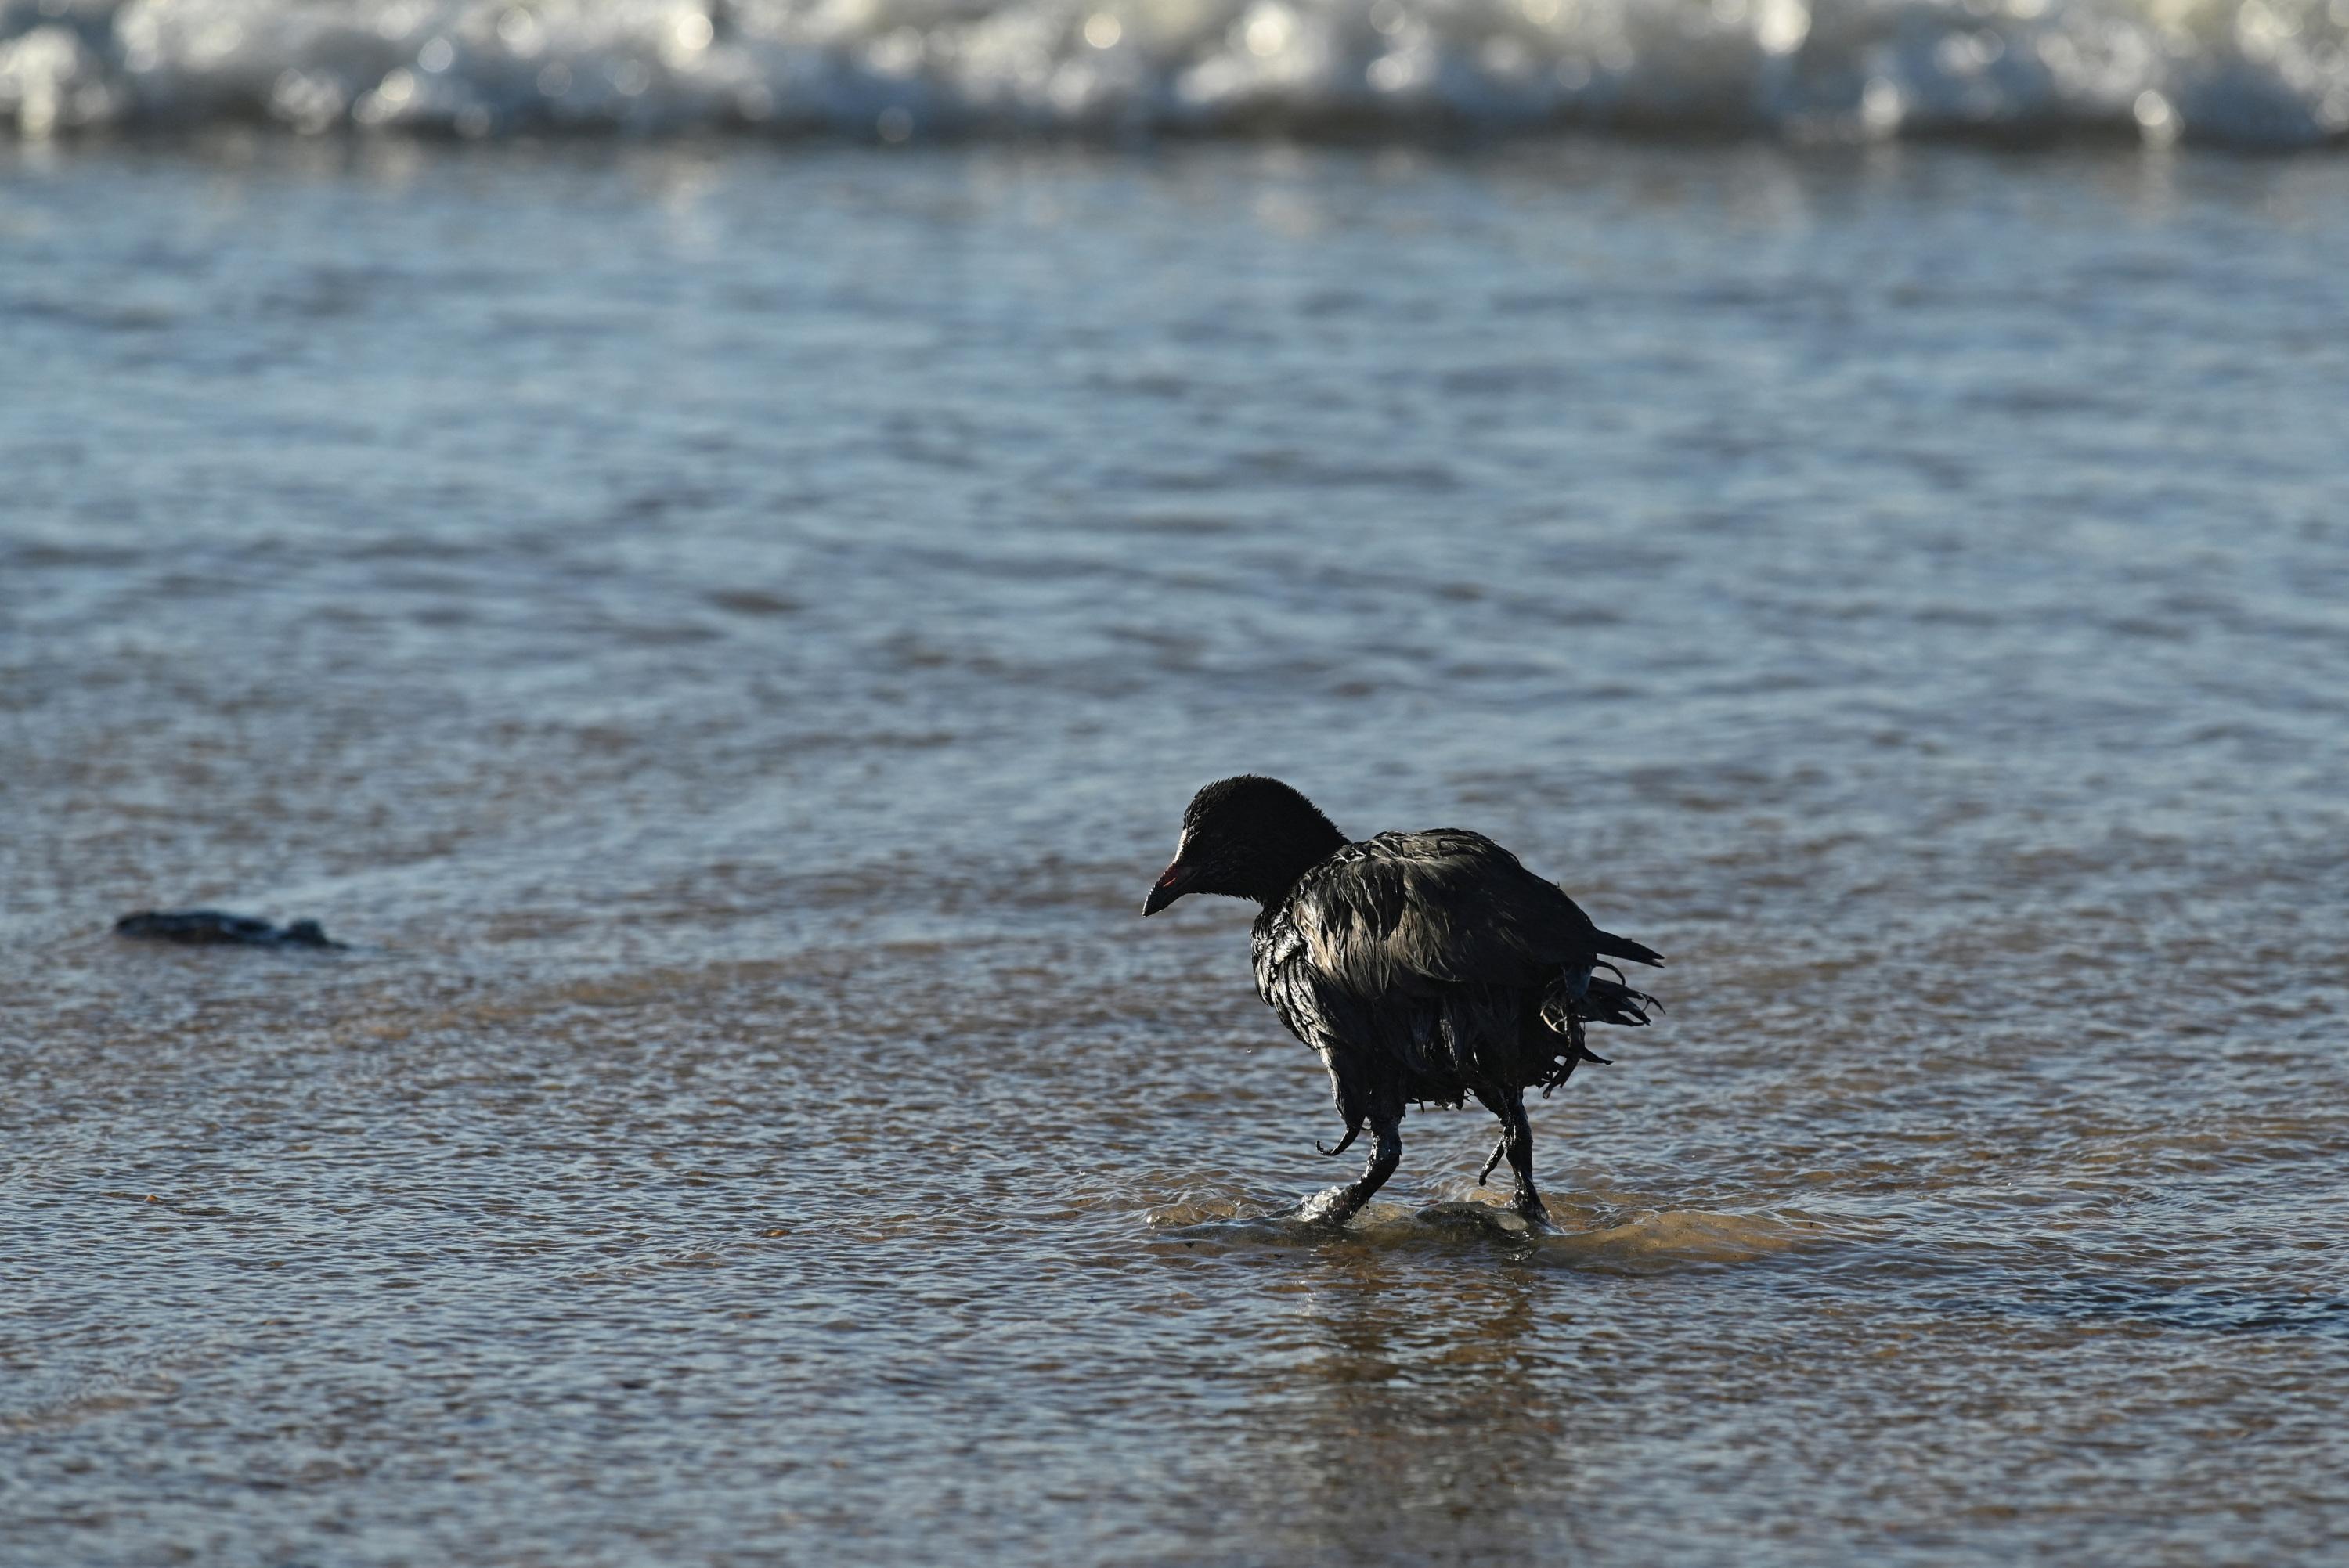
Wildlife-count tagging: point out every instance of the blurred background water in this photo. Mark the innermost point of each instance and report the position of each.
(2246, 72)
(726, 629)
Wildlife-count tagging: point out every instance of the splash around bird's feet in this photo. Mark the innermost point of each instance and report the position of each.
(1601, 1238)
(1337, 1211)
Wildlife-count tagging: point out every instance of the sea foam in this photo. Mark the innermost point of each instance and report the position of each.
(2259, 73)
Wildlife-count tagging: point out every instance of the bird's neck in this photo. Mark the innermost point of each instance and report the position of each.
(1280, 871)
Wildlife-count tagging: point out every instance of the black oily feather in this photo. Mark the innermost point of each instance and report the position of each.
(1432, 967)
(1428, 967)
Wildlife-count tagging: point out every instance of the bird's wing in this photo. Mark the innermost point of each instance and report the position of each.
(1402, 912)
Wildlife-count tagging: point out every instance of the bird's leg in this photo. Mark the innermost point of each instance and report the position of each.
(1495, 1157)
(1517, 1137)
(1339, 1204)
(1343, 1144)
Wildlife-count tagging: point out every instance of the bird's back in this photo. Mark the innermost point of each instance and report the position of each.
(1419, 965)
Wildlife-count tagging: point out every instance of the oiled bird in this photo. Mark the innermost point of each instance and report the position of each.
(1426, 967)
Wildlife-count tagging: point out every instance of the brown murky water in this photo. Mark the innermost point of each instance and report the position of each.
(727, 636)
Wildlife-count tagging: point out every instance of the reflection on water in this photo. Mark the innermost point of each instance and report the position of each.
(725, 639)
(1453, 1423)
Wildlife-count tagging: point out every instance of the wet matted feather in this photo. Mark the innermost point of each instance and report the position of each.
(1428, 967)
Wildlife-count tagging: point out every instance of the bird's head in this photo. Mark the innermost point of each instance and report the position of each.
(1246, 838)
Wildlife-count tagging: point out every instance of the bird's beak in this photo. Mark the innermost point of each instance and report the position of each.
(1172, 884)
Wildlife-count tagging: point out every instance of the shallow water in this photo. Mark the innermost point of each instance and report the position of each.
(727, 636)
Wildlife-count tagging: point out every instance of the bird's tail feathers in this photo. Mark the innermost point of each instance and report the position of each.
(1614, 947)
(1597, 1001)
(1612, 1002)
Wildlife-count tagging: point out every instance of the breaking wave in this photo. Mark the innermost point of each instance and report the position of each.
(2256, 73)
